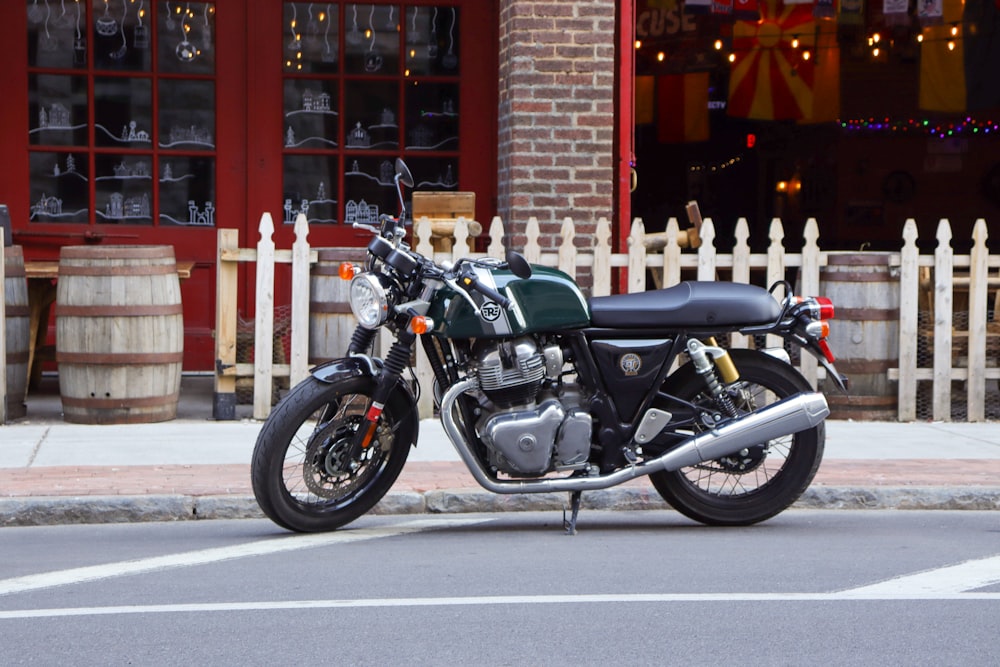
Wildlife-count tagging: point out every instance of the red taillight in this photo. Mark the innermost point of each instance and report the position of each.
(825, 307)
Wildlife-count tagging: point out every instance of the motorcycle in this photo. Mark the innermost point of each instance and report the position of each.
(540, 389)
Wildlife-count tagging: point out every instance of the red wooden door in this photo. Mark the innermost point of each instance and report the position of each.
(156, 122)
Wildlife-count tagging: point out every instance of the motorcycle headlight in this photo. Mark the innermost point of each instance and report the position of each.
(369, 301)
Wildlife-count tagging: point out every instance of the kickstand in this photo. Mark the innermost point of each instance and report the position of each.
(574, 502)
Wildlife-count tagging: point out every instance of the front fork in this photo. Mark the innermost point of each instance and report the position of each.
(395, 363)
(700, 353)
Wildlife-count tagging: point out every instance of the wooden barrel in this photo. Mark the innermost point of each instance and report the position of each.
(18, 329)
(864, 335)
(331, 322)
(119, 334)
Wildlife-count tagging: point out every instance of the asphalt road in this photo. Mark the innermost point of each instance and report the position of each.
(632, 588)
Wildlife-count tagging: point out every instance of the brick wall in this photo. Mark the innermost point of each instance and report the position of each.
(556, 115)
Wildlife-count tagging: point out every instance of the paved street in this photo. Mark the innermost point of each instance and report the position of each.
(808, 587)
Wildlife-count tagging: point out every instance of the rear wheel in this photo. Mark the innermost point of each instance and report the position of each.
(304, 476)
(763, 479)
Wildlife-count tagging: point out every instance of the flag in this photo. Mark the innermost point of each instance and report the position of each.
(682, 108)
(942, 70)
(770, 79)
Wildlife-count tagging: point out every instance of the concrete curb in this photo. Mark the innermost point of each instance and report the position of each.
(59, 510)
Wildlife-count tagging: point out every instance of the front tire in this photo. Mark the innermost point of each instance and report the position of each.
(763, 480)
(302, 474)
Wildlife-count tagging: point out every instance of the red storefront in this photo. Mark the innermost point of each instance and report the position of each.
(153, 122)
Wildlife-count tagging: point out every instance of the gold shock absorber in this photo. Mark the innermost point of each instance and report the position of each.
(725, 365)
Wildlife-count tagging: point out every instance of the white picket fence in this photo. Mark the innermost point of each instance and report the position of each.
(934, 278)
(671, 266)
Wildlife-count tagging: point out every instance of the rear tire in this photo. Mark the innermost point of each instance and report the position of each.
(301, 472)
(747, 488)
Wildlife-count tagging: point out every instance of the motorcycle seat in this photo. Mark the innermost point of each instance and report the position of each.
(688, 304)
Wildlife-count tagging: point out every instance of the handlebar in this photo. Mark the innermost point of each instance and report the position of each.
(470, 280)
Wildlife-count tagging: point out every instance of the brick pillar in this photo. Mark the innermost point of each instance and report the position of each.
(556, 116)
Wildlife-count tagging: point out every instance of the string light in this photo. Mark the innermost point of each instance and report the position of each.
(717, 166)
(966, 127)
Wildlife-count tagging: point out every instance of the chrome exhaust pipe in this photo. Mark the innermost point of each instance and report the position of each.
(787, 416)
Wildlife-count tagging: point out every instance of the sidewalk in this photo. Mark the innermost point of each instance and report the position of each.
(195, 467)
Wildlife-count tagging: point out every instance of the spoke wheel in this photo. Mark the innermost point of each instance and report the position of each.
(764, 478)
(304, 475)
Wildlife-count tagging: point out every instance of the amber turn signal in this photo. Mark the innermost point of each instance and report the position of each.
(346, 271)
(420, 324)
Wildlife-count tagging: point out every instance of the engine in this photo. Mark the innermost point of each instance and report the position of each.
(527, 428)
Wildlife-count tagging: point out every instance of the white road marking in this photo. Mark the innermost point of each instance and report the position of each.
(945, 583)
(79, 575)
(966, 576)
(302, 605)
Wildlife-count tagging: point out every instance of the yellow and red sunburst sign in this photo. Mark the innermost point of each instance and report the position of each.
(771, 77)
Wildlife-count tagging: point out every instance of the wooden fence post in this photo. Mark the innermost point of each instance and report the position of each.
(602, 258)
(672, 255)
(978, 276)
(637, 257)
(707, 255)
(943, 285)
(226, 294)
(496, 248)
(567, 249)
(809, 286)
(741, 270)
(299, 352)
(263, 347)
(909, 328)
(775, 267)
(532, 250)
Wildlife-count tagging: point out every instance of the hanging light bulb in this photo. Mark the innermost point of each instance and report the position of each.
(718, 45)
(660, 56)
(732, 57)
(638, 44)
(795, 42)
(920, 38)
(875, 52)
(806, 55)
(951, 45)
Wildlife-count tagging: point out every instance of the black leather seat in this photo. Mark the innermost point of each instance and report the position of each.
(689, 304)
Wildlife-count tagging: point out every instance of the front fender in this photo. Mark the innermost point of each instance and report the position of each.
(364, 366)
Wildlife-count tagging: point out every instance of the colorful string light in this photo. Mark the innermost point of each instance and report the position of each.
(943, 129)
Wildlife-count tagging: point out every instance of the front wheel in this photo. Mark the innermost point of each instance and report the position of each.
(303, 474)
(763, 479)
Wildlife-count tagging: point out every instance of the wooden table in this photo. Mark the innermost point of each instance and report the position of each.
(42, 278)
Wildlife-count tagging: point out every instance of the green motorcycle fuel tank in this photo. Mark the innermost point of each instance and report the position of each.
(547, 301)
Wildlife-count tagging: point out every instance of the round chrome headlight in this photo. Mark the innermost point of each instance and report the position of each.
(369, 302)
